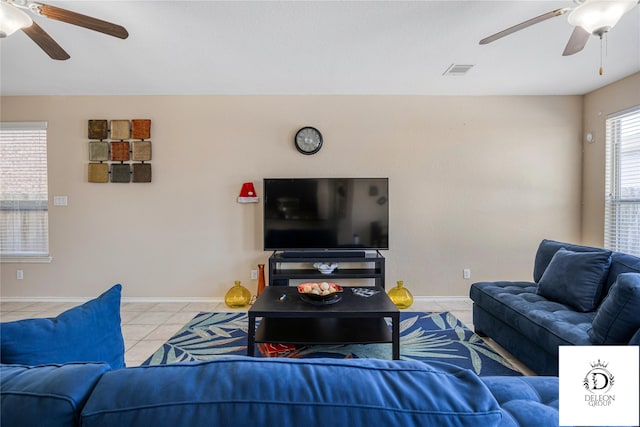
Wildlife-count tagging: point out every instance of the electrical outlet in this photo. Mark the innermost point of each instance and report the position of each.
(254, 274)
(19, 274)
(466, 273)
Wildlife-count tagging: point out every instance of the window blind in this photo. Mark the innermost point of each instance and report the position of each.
(24, 215)
(622, 203)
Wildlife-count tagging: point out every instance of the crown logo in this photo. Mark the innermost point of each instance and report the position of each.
(599, 364)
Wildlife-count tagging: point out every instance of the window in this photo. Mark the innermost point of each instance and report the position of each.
(24, 214)
(622, 204)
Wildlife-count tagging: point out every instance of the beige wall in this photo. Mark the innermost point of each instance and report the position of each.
(597, 105)
(475, 182)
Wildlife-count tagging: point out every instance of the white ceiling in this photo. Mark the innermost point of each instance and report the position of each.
(316, 47)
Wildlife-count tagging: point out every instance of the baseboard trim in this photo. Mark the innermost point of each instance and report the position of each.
(442, 299)
(192, 299)
(124, 299)
(172, 299)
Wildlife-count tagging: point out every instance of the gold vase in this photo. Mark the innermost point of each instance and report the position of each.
(238, 296)
(401, 296)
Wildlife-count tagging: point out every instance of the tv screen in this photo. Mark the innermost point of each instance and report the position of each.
(326, 213)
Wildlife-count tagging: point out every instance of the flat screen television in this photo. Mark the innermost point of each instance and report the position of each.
(312, 214)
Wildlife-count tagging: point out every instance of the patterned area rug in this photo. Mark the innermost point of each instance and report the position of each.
(423, 336)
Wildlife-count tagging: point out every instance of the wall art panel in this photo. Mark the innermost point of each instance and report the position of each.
(114, 145)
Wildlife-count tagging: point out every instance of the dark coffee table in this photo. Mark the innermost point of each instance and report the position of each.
(355, 319)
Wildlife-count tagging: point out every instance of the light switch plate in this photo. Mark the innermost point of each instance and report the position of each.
(60, 200)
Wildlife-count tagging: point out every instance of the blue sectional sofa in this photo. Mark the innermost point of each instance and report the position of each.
(242, 391)
(69, 371)
(579, 295)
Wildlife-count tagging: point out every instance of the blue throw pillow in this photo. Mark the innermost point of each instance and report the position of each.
(575, 278)
(547, 250)
(618, 318)
(87, 333)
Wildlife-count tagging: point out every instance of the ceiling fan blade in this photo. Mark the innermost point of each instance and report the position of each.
(577, 41)
(525, 24)
(80, 20)
(46, 43)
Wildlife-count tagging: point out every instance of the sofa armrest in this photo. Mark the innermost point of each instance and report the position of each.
(51, 395)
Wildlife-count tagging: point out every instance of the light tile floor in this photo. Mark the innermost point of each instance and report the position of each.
(146, 325)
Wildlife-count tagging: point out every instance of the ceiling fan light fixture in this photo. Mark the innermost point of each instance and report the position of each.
(599, 16)
(12, 19)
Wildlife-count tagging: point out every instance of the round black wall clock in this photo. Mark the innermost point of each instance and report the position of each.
(308, 140)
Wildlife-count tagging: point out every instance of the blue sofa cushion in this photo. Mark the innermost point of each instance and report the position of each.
(242, 391)
(88, 333)
(621, 263)
(575, 278)
(526, 401)
(548, 248)
(618, 317)
(547, 323)
(51, 395)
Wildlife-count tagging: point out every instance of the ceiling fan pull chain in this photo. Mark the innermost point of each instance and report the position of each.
(601, 70)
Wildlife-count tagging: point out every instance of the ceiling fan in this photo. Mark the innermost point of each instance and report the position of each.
(588, 17)
(13, 17)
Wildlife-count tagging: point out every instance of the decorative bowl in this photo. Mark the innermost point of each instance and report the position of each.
(319, 291)
(325, 268)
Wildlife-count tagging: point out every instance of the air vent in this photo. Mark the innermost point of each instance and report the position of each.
(457, 70)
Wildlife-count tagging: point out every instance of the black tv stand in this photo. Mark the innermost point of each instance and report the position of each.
(279, 276)
(323, 254)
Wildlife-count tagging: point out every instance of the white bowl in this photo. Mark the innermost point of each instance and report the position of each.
(325, 268)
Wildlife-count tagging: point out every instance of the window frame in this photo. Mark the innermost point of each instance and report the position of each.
(615, 201)
(35, 204)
